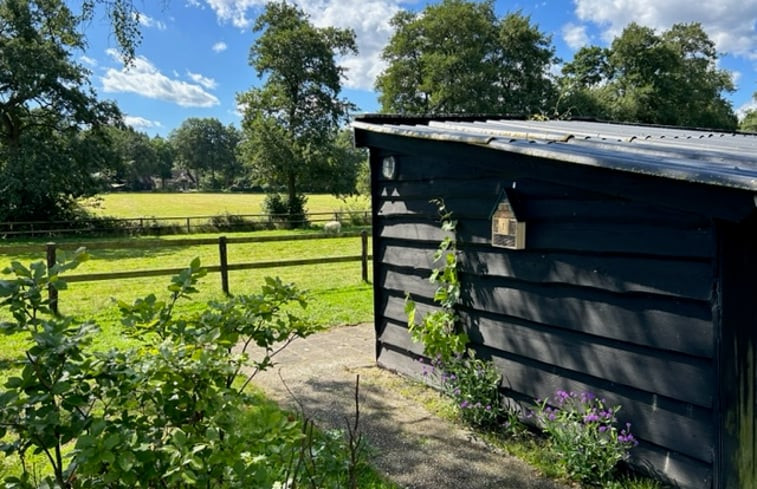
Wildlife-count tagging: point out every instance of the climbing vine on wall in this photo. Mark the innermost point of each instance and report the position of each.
(472, 384)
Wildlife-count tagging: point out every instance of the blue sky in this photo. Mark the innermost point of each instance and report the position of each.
(194, 56)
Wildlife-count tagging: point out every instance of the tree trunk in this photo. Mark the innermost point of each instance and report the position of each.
(292, 195)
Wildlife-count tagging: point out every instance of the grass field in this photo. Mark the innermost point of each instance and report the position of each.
(339, 296)
(123, 204)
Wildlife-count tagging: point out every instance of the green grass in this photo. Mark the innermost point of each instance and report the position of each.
(339, 294)
(124, 204)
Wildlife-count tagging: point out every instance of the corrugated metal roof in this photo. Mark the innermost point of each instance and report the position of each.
(703, 156)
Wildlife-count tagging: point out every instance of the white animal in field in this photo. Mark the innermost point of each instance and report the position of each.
(332, 227)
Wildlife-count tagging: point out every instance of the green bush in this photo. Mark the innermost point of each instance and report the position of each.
(172, 411)
(284, 211)
(355, 210)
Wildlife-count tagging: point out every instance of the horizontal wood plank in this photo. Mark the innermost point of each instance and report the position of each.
(680, 278)
(478, 200)
(641, 369)
(615, 238)
(664, 325)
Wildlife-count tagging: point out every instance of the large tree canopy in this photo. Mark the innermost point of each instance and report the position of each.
(51, 124)
(290, 123)
(136, 159)
(457, 56)
(667, 78)
(209, 149)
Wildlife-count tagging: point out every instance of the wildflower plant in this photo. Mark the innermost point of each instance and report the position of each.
(473, 385)
(583, 435)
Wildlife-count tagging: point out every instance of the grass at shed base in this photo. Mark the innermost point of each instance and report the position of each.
(523, 444)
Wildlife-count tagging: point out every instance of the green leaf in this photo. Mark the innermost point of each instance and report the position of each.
(111, 441)
(126, 461)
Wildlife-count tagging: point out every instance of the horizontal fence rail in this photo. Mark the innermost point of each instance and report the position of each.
(51, 249)
(176, 224)
(167, 243)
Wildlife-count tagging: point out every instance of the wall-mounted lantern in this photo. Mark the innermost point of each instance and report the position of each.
(508, 228)
(389, 167)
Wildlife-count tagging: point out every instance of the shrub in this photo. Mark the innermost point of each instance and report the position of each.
(583, 435)
(355, 210)
(166, 412)
(289, 212)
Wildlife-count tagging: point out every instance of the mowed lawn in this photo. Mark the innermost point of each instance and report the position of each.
(339, 296)
(131, 205)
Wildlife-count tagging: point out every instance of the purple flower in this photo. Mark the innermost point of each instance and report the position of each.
(464, 404)
(591, 418)
(488, 407)
(602, 429)
(587, 397)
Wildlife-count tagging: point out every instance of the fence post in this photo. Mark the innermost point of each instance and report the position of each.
(52, 292)
(364, 254)
(224, 264)
(188, 227)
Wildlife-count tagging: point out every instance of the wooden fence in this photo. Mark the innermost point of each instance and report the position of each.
(224, 267)
(173, 224)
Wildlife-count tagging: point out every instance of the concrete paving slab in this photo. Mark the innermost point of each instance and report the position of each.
(413, 448)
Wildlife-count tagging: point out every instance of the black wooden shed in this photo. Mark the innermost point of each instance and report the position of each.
(628, 269)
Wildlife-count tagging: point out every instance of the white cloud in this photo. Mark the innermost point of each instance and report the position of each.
(370, 22)
(143, 78)
(234, 11)
(88, 61)
(737, 76)
(205, 81)
(371, 25)
(741, 111)
(140, 122)
(147, 21)
(730, 23)
(220, 47)
(575, 35)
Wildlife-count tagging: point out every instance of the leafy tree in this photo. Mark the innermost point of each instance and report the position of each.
(457, 56)
(341, 165)
(291, 121)
(749, 122)
(165, 158)
(668, 78)
(206, 145)
(52, 140)
(136, 159)
(523, 58)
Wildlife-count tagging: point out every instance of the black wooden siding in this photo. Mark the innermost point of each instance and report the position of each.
(611, 296)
